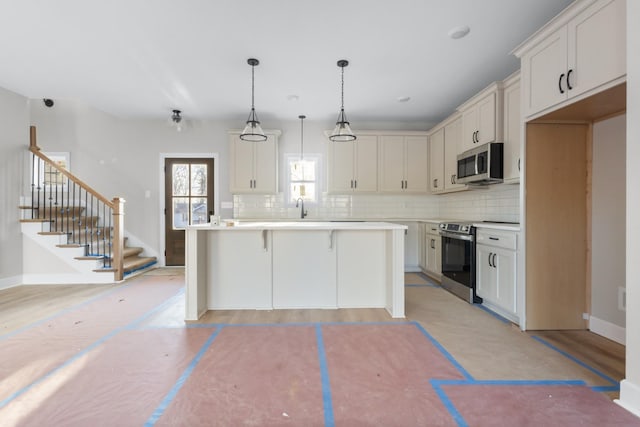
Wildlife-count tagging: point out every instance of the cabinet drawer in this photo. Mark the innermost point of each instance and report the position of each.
(497, 238)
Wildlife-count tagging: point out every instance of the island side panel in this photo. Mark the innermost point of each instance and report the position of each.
(395, 273)
(239, 274)
(196, 257)
(304, 269)
(362, 268)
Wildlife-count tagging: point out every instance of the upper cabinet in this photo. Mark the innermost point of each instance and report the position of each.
(353, 166)
(452, 147)
(254, 165)
(403, 164)
(581, 50)
(436, 161)
(482, 118)
(512, 128)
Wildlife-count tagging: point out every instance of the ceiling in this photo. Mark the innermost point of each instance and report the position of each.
(141, 59)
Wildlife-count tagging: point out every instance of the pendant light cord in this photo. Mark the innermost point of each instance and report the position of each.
(252, 86)
(342, 90)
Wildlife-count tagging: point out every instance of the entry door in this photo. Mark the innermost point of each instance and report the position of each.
(189, 199)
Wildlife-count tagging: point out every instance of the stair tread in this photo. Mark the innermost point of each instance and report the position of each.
(135, 262)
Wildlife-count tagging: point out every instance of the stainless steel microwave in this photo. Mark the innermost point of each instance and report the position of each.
(481, 165)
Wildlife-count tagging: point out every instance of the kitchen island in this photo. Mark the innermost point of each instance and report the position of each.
(298, 264)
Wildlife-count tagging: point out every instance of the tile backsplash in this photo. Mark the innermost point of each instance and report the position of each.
(499, 202)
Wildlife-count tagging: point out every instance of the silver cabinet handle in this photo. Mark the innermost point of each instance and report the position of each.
(331, 239)
(264, 240)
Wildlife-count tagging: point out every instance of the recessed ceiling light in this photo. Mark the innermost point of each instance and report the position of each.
(459, 32)
(403, 98)
(292, 98)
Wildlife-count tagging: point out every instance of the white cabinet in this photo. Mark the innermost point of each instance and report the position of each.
(433, 251)
(482, 117)
(297, 282)
(581, 50)
(353, 166)
(422, 246)
(512, 129)
(245, 287)
(403, 164)
(496, 271)
(452, 147)
(436, 161)
(254, 165)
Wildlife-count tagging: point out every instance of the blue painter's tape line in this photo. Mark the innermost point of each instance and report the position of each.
(606, 388)
(65, 311)
(327, 405)
(86, 350)
(493, 313)
(576, 360)
(446, 354)
(181, 381)
(453, 411)
(242, 325)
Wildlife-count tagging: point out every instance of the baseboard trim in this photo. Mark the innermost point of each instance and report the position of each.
(608, 330)
(629, 397)
(10, 282)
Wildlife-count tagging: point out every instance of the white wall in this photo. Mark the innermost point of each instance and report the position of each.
(14, 143)
(608, 225)
(630, 386)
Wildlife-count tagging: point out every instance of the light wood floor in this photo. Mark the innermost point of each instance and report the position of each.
(487, 347)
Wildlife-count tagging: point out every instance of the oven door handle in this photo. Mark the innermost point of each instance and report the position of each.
(467, 237)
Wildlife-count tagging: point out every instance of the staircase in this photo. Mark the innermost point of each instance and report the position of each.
(71, 233)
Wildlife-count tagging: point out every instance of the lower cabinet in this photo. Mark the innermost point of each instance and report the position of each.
(496, 271)
(432, 243)
(297, 282)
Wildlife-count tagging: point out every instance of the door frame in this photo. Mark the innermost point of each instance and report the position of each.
(161, 192)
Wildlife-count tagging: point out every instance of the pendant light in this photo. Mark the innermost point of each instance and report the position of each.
(302, 117)
(342, 132)
(253, 131)
(176, 120)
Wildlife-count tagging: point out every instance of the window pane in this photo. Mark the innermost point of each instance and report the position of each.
(303, 170)
(296, 170)
(199, 210)
(180, 174)
(180, 212)
(306, 190)
(198, 180)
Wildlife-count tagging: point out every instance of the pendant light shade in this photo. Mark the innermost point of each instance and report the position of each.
(302, 117)
(342, 132)
(253, 131)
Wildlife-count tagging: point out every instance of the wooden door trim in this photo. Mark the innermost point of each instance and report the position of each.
(161, 192)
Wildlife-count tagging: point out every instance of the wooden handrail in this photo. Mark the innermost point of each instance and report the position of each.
(33, 147)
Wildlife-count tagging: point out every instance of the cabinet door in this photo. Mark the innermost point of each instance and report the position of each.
(437, 265)
(486, 119)
(241, 165)
(417, 157)
(366, 163)
(452, 142)
(597, 46)
(436, 161)
(341, 161)
(486, 286)
(469, 128)
(391, 171)
(542, 68)
(505, 276)
(265, 166)
(234, 285)
(304, 269)
(512, 127)
(422, 245)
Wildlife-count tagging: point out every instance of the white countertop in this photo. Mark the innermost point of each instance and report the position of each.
(301, 225)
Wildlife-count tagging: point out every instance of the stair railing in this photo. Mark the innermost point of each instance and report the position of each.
(74, 209)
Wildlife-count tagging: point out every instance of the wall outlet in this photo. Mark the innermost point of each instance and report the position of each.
(585, 316)
(622, 298)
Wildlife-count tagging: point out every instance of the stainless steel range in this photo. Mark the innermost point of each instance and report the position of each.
(459, 260)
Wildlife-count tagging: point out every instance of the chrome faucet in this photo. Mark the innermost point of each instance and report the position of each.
(303, 213)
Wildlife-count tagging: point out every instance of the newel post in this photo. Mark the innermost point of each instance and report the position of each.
(33, 145)
(118, 237)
